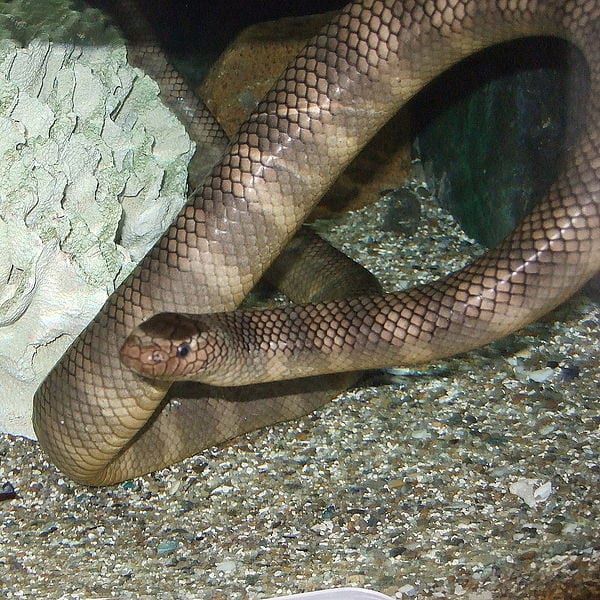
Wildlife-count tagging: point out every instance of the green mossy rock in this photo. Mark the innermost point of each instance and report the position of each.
(495, 129)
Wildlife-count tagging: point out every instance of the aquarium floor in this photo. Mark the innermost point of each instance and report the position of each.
(475, 477)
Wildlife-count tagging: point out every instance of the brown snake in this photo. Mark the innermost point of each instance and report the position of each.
(101, 423)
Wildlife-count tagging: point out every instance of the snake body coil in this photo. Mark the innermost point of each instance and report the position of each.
(100, 422)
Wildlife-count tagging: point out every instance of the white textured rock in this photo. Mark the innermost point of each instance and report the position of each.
(92, 170)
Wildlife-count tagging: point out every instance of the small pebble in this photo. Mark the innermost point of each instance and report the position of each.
(8, 492)
(541, 375)
(167, 547)
(226, 566)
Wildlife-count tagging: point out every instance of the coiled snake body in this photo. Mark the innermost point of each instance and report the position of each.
(100, 422)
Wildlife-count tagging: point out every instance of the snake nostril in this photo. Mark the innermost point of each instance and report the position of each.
(156, 357)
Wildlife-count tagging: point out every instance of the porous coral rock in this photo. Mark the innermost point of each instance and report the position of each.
(92, 170)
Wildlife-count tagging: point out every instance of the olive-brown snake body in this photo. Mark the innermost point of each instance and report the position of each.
(101, 423)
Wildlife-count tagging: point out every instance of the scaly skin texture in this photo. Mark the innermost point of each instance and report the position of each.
(101, 423)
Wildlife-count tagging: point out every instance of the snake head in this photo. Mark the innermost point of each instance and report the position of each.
(170, 347)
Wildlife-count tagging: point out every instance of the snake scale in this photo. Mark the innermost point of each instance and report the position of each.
(100, 422)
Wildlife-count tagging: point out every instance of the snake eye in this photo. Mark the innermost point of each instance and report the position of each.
(183, 350)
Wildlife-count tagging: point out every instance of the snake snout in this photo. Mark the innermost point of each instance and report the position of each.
(145, 358)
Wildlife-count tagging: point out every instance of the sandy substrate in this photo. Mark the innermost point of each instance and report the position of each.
(475, 477)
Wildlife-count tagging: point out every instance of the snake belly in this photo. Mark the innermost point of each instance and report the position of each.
(100, 422)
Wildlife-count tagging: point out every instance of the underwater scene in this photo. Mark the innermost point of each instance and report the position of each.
(416, 418)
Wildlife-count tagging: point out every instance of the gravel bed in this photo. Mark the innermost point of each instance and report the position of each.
(475, 477)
